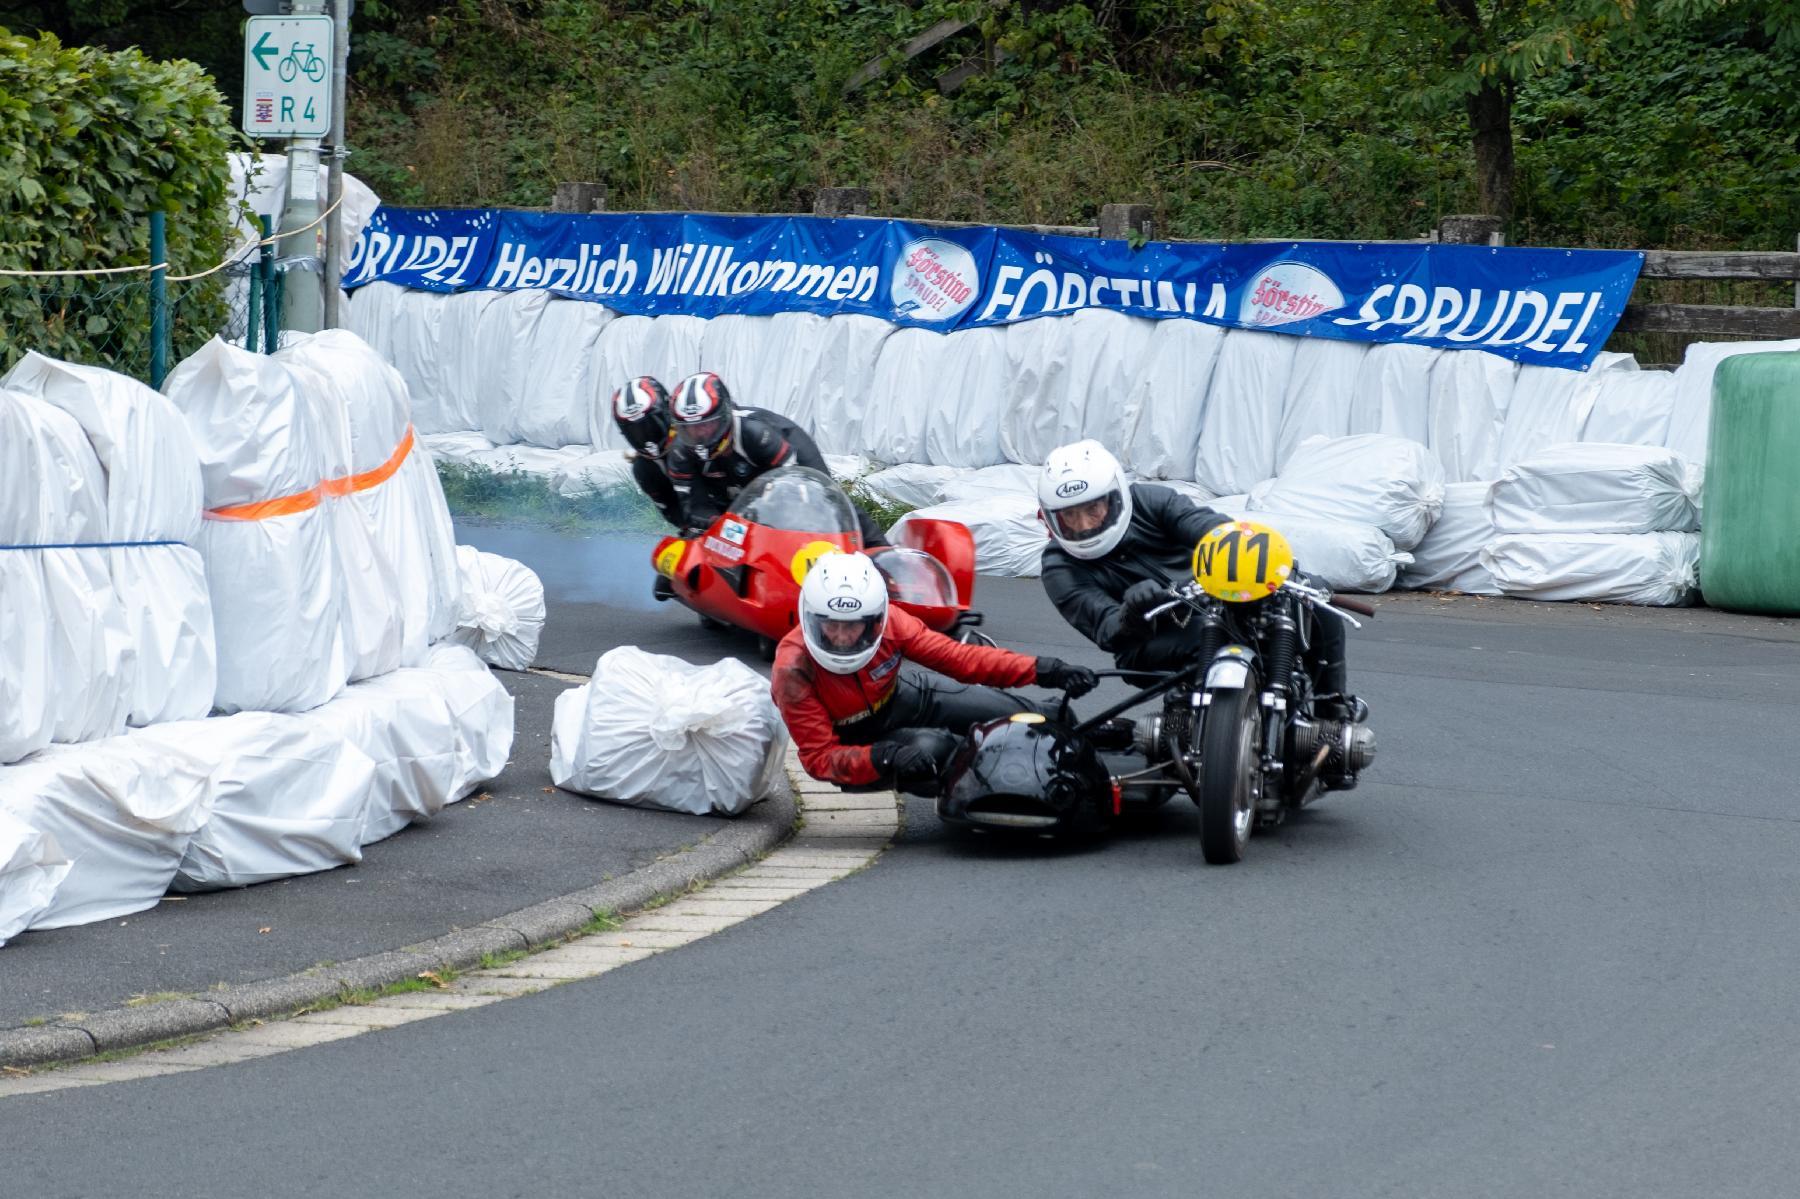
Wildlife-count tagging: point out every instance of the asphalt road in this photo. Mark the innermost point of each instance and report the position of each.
(1546, 949)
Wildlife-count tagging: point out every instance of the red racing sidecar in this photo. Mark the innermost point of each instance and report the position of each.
(746, 569)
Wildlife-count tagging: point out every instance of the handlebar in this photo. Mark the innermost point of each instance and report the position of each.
(1338, 605)
(1359, 606)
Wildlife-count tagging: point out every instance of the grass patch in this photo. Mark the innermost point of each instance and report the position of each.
(145, 1000)
(602, 922)
(479, 495)
(493, 961)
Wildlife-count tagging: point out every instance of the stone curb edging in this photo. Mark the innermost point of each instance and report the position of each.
(746, 839)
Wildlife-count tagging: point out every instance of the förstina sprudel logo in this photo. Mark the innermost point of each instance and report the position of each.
(934, 280)
(1287, 292)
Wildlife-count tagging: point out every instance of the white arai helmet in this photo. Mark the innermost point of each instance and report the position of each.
(843, 611)
(1084, 498)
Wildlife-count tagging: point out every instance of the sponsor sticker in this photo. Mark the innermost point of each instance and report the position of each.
(935, 280)
(844, 603)
(809, 553)
(1071, 487)
(733, 531)
(669, 557)
(1289, 292)
(725, 549)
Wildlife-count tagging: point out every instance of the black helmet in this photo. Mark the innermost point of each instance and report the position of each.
(703, 414)
(641, 410)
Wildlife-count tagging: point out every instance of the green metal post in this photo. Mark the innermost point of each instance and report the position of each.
(159, 301)
(253, 314)
(271, 299)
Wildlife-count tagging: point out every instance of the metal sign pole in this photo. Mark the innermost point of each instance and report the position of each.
(334, 224)
(300, 258)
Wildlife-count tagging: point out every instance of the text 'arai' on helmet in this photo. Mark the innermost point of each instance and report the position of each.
(843, 611)
(1085, 499)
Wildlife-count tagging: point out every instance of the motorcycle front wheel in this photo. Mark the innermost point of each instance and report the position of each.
(1230, 775)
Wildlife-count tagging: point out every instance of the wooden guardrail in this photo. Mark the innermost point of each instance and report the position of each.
(1742, 320)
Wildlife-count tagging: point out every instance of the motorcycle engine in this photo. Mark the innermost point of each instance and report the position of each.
(1349, 748)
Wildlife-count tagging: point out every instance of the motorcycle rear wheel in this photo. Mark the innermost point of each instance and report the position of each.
(1230, 771)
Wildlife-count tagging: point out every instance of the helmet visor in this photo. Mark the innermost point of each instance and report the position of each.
(1088, 520)
(843, 638)
(703, 434)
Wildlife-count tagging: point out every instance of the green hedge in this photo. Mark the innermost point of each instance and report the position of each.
(91, 142)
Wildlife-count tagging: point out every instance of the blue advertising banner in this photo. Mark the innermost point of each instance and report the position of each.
(1550, 307)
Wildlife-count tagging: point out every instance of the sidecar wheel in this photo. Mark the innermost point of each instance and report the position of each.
(1230, 775)
(707, 622)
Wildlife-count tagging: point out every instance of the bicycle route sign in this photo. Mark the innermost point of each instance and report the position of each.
(287, 76)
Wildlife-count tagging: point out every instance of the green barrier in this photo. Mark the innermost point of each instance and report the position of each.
(1750, 530)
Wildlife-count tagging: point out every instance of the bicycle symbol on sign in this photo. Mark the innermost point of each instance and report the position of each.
(301, 60)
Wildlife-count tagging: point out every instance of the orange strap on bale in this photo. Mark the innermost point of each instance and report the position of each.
(305, 501)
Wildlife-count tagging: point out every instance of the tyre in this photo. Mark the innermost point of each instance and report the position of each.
(1230, 775)
(765, 648)
(707, 622)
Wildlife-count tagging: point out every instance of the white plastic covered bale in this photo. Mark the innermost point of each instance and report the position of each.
(536, 361)
(1009, 479)
(1167, 401)
(1242, 427)
(1392, 483)
(456, 401)
(667, 348)
(392, 491)
(1656, 569)
(409, 733)
(27, 719)
(1449, 559)
(152, 494)
(60, 499)
(656, 732)
(1690, 417)
(1471, 391)
(1631, 408)
(458, 449)
(288, 797)
(1393, 391)
(1590, 487)
(1347, 555)
(1009, 537)
(913, 484)
(418, 477)
(1320, 393)
(32, 865)
(527, 459)
(502, 613)
(327, 368)
(844, 365)
(908, 382)
(963, 420)
(1551, 405)
(1106, 354)
(481, 707)
(122, 811)
(1040, 411)
(408, 328)
(270, 565)
(743, 351)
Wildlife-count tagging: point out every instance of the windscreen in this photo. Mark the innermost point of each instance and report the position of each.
(797, 499)
(915, 577)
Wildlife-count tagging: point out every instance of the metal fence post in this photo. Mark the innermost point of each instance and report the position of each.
(159, 300)
(271, 308)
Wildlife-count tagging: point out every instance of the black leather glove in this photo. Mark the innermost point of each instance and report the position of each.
(909, 765)
(1064, 676)
(1139, 598)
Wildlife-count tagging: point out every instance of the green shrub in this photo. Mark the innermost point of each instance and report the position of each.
(91, 142)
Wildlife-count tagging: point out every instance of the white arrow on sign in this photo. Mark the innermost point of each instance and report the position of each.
(287, 76)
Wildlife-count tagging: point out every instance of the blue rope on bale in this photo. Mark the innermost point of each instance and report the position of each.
(93, 545)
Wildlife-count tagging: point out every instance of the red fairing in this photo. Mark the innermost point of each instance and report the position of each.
(816, 704)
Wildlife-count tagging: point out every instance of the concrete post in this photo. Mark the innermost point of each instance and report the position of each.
(579, 197)
(1469, 229)
(1120, 221)
(841, 201)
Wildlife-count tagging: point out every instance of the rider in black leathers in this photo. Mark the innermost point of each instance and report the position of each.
(720, 447)
(1105, 576)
